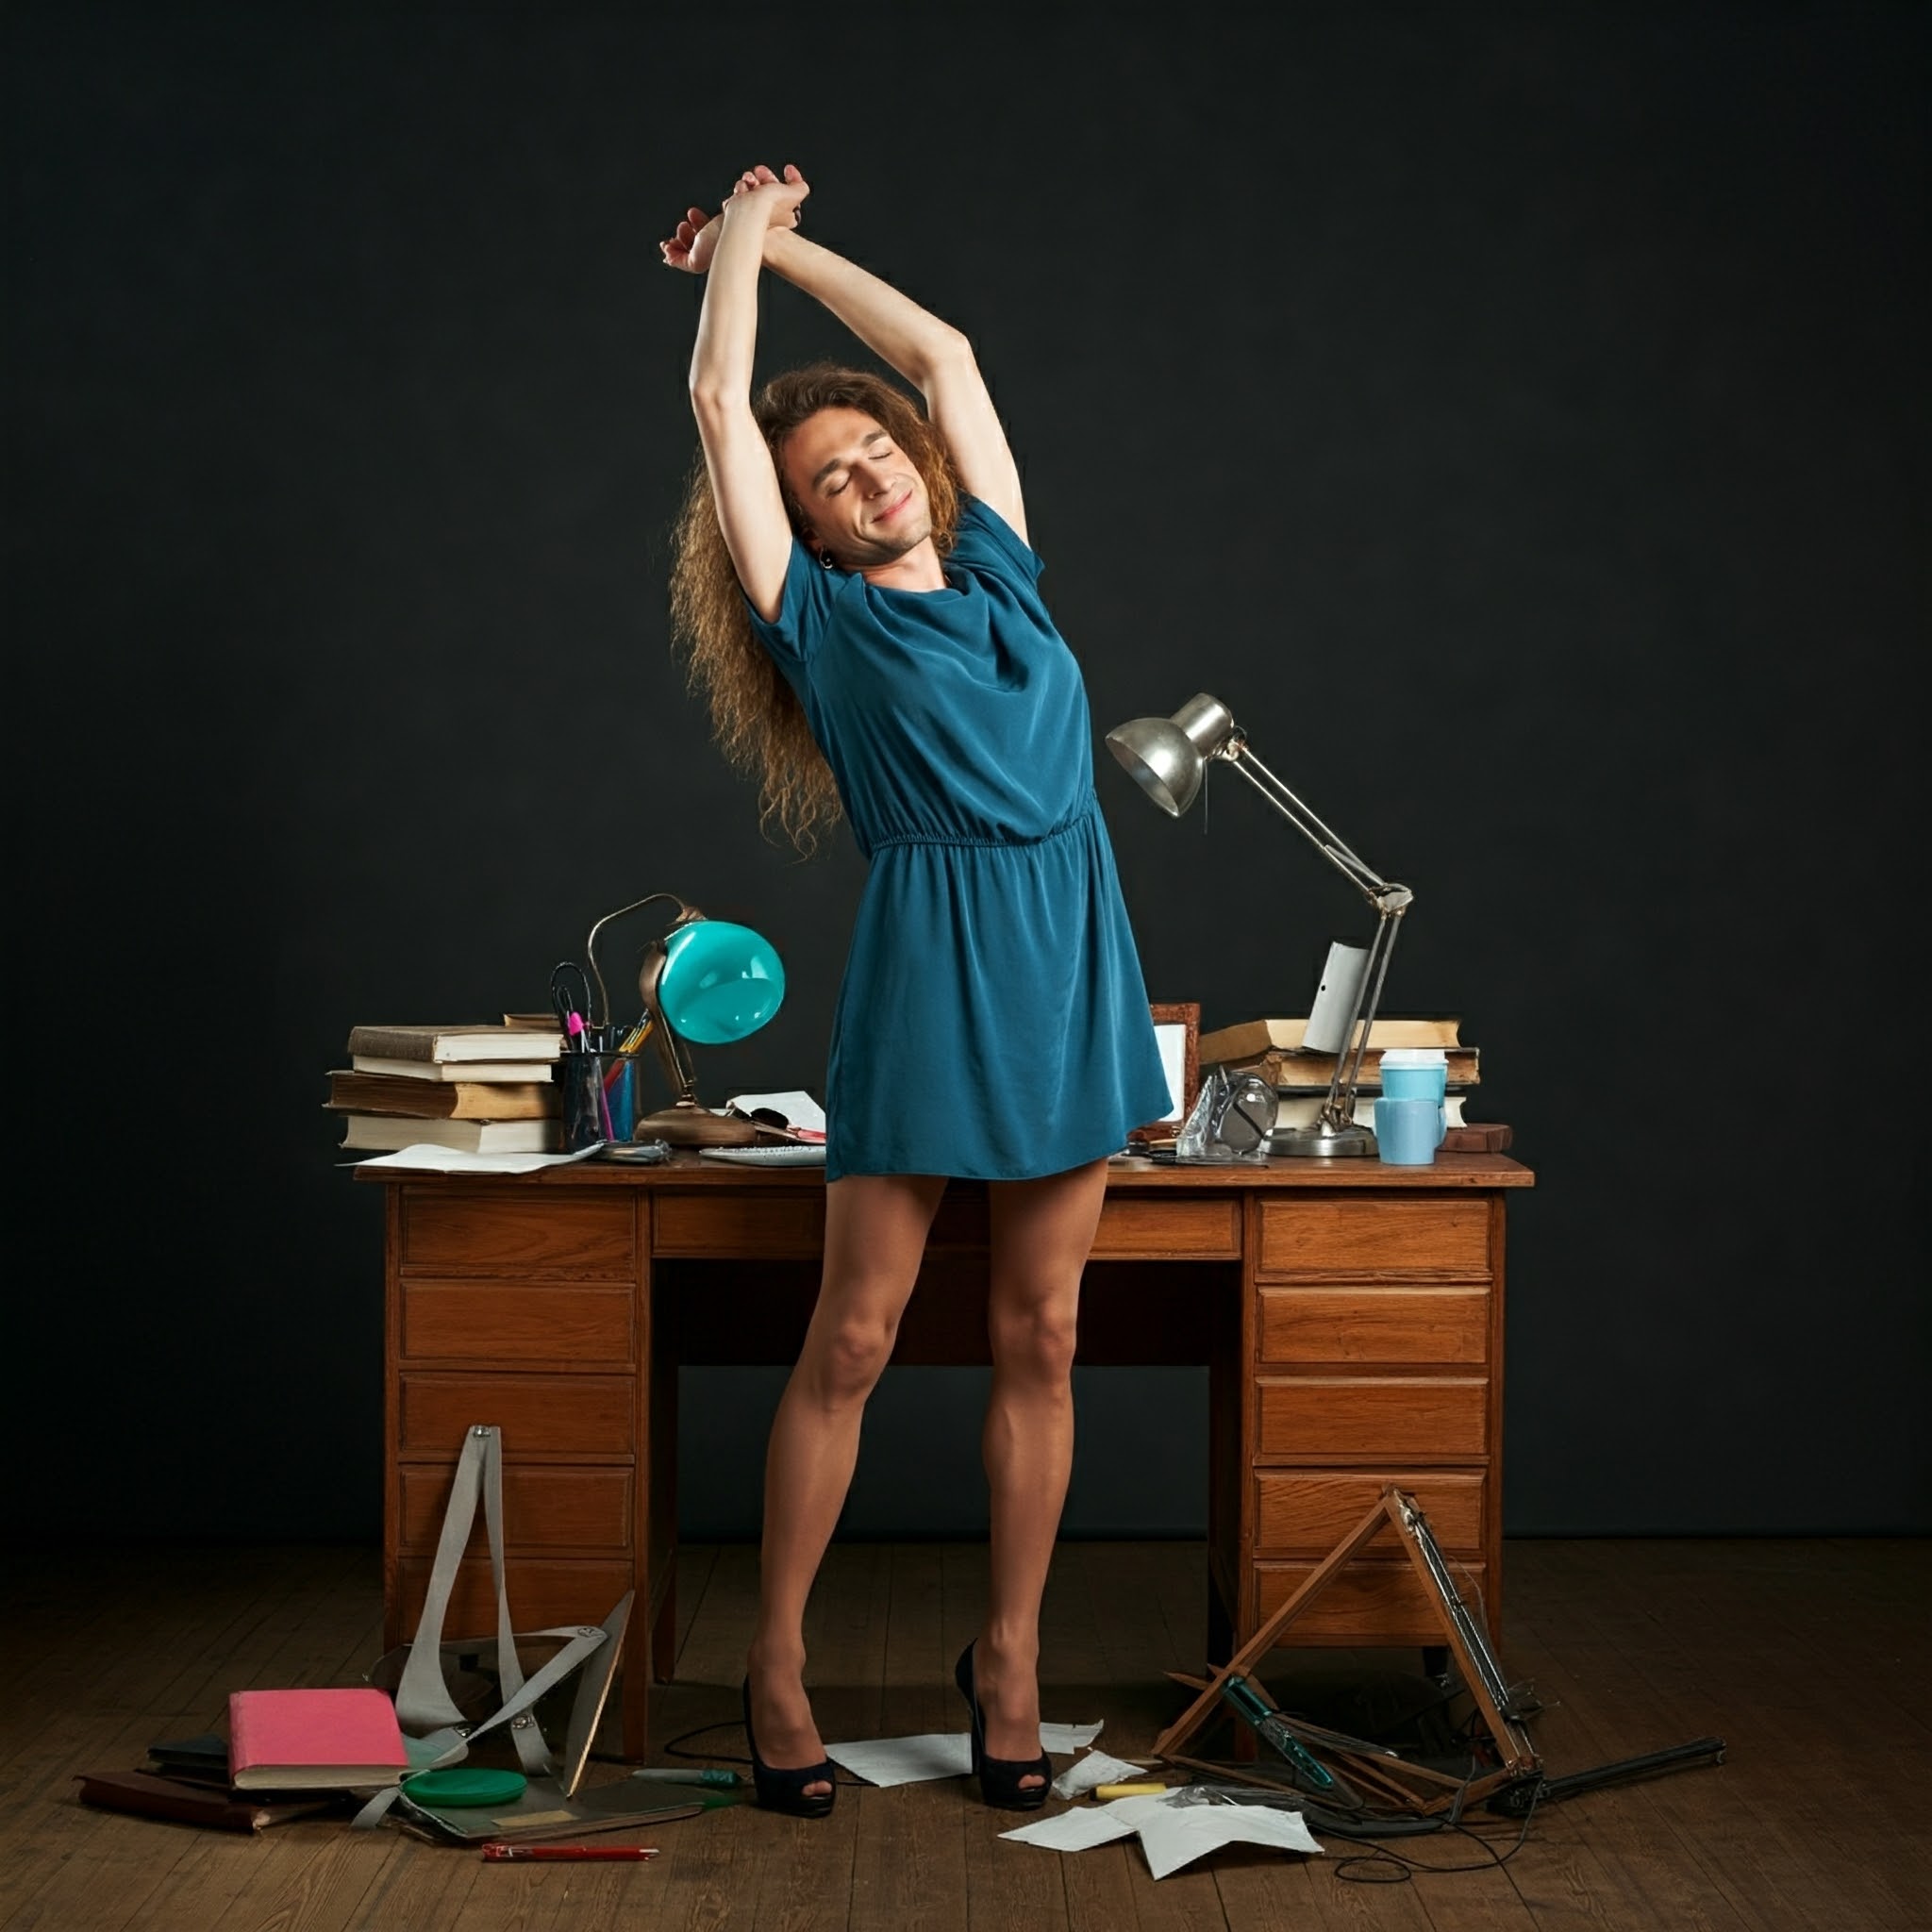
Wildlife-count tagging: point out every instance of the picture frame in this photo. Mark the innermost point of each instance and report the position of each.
(1177, 1028)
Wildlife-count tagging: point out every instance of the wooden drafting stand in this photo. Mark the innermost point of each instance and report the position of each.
(1411, 1786)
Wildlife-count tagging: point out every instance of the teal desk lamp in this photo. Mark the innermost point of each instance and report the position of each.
(705, 982)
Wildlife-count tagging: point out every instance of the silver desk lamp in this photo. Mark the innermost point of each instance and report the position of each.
(1168, 757)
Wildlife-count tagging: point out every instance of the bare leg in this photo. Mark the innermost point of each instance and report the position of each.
(1042, 1233)
(875, 1229)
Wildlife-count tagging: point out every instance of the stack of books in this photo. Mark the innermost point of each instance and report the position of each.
(484, 1088)
(1273, 1049)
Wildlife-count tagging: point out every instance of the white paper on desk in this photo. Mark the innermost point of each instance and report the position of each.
(905, 1760)
(425, 1154)
(799, 1109)
(1172, 1835)
(1096, 1768)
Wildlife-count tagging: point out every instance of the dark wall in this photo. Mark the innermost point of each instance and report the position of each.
(1518, 414)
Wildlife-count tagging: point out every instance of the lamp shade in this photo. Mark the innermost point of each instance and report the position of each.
(1166, 757)
(720, 982)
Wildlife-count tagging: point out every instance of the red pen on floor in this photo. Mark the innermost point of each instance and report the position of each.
(498, 1853)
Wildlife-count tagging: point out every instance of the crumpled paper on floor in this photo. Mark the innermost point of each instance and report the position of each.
(1172, 1834)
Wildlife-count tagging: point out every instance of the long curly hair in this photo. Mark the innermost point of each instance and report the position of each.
(756, 717)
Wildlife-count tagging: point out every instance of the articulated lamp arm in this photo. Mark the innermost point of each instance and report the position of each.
(1389, 900)
(1167, 758)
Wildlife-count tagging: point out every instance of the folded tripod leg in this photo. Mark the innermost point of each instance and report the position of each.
(1515, 1800)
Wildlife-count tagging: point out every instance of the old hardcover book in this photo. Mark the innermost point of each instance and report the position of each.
(454, 1100)
(148, 1795)
(1295, 1070)
(330, 1739)
(426, 1072)
(384, 1133)
(440, 1043)
(1252, 1037)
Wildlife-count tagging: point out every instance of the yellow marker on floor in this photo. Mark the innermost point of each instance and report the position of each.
(1104, 1792)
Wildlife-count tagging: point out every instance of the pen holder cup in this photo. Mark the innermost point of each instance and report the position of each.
(600, 1097)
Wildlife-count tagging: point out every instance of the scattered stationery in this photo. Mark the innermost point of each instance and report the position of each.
(497, 1851)
(1173, 1831)
(322, 1740)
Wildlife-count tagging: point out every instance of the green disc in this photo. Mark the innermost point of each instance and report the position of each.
(462, 1785)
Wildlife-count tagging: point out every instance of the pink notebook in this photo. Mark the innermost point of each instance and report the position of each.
(295, 1741)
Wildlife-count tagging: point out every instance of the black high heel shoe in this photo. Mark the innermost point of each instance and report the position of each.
(999, 1777)
(784, 1790)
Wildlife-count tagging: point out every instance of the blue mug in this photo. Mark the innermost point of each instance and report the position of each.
(1408, 1131)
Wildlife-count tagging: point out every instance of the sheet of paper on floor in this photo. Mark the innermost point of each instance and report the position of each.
(1096, 1768)
(1172, 1834)
(939, 1754)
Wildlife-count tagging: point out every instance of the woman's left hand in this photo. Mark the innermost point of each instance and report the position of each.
(692, 242)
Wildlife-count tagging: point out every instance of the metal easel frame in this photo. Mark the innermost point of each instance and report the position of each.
(1414, 1786)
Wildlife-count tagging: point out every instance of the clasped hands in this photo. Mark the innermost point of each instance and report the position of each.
(777, 197)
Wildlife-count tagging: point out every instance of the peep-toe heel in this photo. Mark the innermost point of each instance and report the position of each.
(999, 1777)
(784, 1790)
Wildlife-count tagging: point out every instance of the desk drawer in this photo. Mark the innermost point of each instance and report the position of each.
(519, 1231)
(539, 1415)
(773, 1227)
(544, 1509)
(543, 1590)
(1175, 1227)
(1373, 1324)
(1373, 1603)
(1345, 1236)
(1302, 1511)
(1362, 1419)
(509, 1322)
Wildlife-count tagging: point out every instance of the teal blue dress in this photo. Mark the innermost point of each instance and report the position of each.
(992, 1023)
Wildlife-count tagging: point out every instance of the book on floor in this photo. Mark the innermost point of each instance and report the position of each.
(385, 1133)
(313, 1739)
(350, 1092)
(148, 1794)
(440, 1043)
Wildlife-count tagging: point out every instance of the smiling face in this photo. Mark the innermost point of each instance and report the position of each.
(862, 496)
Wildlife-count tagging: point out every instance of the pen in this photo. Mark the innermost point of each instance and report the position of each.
(499, 1853)
(671, 1775)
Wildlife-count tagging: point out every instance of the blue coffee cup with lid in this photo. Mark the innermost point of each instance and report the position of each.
(1415, 1073)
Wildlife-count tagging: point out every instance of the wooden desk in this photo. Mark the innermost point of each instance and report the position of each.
(1350, 1316)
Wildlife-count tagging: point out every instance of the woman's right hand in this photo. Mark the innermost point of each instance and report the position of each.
(778, 197)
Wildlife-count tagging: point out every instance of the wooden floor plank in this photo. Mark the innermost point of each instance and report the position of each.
(1806, 1656)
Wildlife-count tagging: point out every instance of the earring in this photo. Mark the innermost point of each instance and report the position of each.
(825, 559)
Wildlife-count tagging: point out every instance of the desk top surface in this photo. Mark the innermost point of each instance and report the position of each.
(686, 1169)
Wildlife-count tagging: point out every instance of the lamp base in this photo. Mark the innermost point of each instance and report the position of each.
(688, 1124)
(1322, 1143)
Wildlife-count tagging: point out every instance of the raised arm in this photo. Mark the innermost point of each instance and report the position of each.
(931, 354)
(744, 484)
